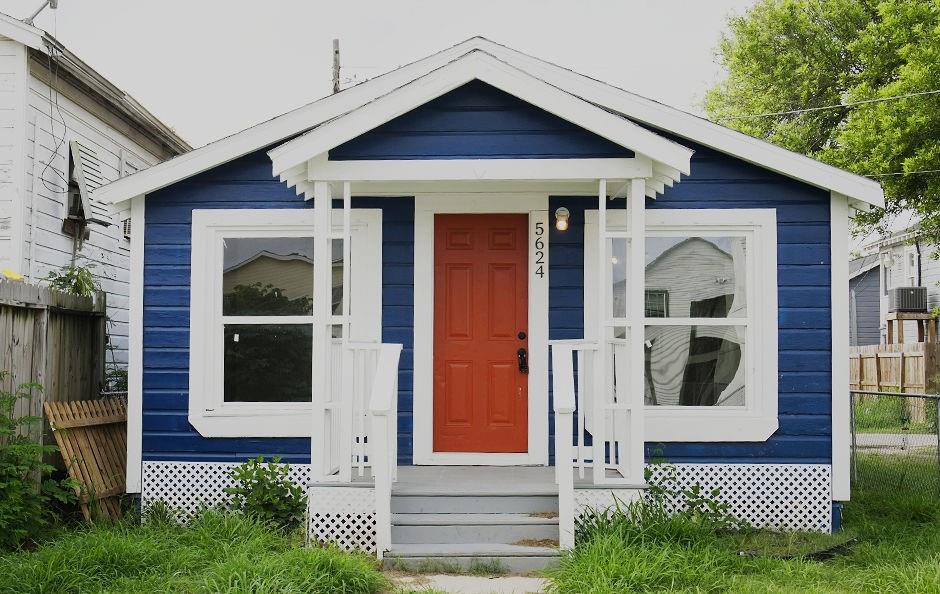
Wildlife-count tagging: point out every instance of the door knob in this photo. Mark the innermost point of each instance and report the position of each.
(523, 360)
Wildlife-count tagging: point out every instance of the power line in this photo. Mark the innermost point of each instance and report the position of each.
(902, 173)
(825, 107)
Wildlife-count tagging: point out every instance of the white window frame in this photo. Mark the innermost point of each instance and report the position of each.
(208, 412)
(757, 419)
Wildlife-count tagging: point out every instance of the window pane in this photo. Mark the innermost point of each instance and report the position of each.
(268, 276)
(699, 277)
(268, 363)
(617, 252)
(695, 365)
(337, 277)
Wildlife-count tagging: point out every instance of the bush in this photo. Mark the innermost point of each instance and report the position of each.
(263, 491)
(26, 490)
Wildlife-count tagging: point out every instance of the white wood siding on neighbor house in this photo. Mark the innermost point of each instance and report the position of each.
(53, 119)
(12, 107)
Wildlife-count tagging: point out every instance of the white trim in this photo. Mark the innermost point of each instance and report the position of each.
(20, 176)
(478, 169)
(757, 420)
(426, 206)
(478, 65)
(841, 403)
(695, 128)
(647, 111)
(21, 32)
(135, 348)
(205, 375)
(273, 130)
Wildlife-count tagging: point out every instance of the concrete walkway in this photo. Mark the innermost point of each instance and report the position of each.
(467, 584)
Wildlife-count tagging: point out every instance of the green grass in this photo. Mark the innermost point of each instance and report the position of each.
(890, 414)
(897, 550)
(477, 567)
(220, 552)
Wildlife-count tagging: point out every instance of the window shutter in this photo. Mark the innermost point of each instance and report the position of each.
(89, 177)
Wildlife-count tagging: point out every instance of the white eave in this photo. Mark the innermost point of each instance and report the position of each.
(668, 159)
(859, 190)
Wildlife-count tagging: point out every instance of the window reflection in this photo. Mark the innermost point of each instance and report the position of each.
(699, 276)
(695, 365)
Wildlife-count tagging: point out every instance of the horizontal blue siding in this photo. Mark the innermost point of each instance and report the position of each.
(804, 317)
(244, 183)
(473, 122)
(477, 121)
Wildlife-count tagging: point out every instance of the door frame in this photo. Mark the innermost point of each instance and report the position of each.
(426, 206)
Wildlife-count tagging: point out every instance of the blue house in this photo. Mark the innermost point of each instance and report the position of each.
(482, 286)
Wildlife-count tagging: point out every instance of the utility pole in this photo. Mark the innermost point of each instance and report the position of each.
(336, 65)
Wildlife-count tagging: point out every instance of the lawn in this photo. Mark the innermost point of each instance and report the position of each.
(892, 544)
(220, 552)
(896, 549)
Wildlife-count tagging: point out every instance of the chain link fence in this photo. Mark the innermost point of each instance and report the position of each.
(896, 442)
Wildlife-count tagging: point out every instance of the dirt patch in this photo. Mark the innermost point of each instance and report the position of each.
(537, 542)
(543, 515)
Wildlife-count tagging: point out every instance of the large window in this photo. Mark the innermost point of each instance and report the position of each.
(710, 320)
(252, 315)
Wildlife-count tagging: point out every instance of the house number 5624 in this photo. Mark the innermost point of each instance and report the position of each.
(540, 249)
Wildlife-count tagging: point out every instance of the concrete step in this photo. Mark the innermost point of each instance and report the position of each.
(495, 503)
(460, 528)
(442, 558)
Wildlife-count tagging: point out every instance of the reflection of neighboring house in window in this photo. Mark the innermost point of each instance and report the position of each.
(290, 274)
(696, 365)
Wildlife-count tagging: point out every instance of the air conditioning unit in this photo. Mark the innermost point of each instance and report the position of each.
(910, 299)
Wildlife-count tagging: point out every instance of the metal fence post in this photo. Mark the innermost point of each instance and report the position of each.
(852, 397)
(937, 428)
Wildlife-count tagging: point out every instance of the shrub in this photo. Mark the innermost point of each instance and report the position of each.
(25, 487)
(263, 491)
(74, 279)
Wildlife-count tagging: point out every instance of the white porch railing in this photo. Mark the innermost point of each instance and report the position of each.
(383, 445)
(593, 408)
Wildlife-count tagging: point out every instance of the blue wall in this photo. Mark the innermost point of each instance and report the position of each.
(477, 121)
(717, 181)
(244, 183)
(803, 280)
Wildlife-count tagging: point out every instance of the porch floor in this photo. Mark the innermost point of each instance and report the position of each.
(475, 480)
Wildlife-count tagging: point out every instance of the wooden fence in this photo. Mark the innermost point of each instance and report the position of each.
(92, 436)
(910, 367)
(53, 339)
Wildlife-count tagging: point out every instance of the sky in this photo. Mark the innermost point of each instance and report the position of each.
(209, 68)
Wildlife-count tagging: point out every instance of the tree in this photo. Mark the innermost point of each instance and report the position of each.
(786, 55)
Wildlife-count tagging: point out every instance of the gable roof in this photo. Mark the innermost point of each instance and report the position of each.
(289, 159)
(628, 106)
(863, 264)
(105, 91)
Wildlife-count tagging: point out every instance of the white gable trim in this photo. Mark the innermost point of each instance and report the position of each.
(478, 65)
(20, 31)
(860, 190)
(697, 129)
(271, 131)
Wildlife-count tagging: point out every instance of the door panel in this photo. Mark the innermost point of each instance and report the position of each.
(480, 308)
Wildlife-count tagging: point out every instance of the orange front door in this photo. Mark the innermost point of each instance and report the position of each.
(480, 324)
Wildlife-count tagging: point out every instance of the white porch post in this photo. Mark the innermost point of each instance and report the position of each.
(636, 313)
(320, 464)
(601, 385)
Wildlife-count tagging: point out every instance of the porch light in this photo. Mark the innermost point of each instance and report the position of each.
(561, 218)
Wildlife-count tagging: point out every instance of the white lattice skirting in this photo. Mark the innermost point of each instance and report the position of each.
(343, 515)
(187, 487)
(777, 496)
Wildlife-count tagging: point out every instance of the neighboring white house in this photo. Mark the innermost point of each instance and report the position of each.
(64, 131)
